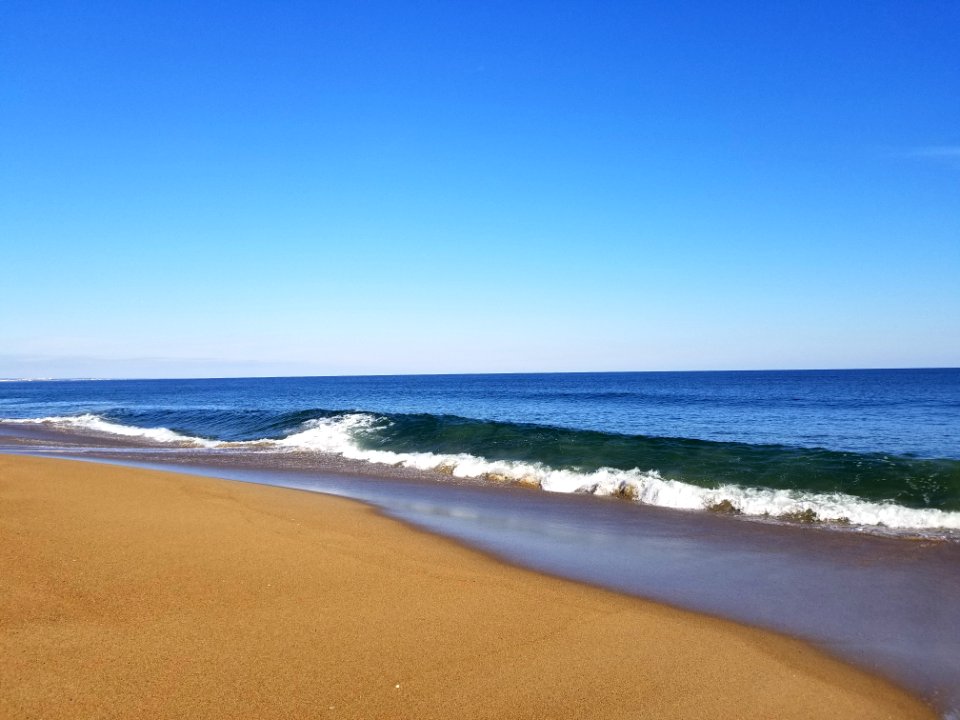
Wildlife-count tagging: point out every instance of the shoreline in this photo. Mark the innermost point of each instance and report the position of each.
(562, 647)
(104, 445)
(882, 604)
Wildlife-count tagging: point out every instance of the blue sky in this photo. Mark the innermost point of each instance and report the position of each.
(241, 188)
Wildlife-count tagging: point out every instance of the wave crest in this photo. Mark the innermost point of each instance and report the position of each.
(89, 422)
(344, 434)
(338, 435)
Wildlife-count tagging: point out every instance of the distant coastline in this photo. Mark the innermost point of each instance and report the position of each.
(521, 373)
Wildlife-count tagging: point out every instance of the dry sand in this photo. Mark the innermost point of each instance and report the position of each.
(133, 593)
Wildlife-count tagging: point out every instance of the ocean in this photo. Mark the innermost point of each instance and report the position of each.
(873, 449)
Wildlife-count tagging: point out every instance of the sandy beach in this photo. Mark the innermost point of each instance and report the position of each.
(136, 593)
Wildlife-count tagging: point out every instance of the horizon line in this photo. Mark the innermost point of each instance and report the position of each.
(471, 374)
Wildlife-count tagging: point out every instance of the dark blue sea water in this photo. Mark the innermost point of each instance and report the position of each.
(864, 446)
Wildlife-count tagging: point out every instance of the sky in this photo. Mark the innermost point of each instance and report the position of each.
(296, 188)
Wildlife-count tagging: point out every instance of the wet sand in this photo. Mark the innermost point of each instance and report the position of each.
(136, 593)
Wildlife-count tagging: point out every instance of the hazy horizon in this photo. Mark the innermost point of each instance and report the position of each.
(80, 378)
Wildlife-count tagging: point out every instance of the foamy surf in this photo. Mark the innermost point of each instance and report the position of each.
(338, 436)
(343, 435)
(90, 423)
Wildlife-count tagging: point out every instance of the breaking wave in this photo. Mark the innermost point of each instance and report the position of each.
(96, 424)
(805, 484)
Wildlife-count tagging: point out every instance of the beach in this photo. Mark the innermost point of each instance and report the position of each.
(479, 360)
(136, 593)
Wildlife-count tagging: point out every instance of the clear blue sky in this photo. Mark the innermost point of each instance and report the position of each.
(223, 188)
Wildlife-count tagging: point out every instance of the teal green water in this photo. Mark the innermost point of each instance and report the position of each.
(912, 482)
(888, 436)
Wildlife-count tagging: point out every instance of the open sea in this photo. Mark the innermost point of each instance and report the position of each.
(868, 448)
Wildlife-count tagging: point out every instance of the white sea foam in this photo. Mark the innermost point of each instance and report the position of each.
(96, 424)
(338, 436)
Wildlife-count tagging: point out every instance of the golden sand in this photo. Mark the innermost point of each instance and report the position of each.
(128, 593)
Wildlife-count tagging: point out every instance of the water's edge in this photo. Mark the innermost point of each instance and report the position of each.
(881, 492)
